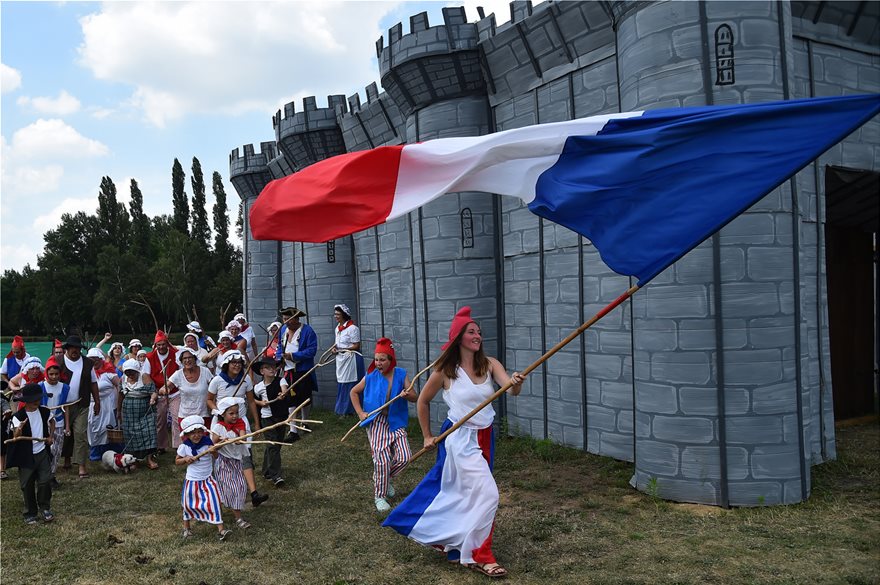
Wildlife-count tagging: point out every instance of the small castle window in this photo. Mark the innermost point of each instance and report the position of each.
(724, 55)
(331, 251)
(467, 228)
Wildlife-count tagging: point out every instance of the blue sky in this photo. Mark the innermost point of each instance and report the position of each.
(122, 88)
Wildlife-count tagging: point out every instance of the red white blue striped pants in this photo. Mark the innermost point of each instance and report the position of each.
(390, 452)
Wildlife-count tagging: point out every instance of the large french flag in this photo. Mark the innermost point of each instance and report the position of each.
(644, 187)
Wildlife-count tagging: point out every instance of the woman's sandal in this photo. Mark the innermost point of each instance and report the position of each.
(83, 475)
(493, 570)
(152, 465)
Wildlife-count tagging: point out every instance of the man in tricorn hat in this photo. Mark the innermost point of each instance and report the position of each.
(78, 372)
(297, 347)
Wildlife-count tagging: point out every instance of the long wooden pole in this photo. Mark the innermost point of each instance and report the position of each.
(261, 352)
(255, 433)
(571, 337)
(372, 412)
(321, 363)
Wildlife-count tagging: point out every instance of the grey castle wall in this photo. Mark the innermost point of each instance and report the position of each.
(715, 379)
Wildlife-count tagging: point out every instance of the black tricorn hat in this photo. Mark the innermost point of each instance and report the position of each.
(31, 393)
(72, 341)
(291, 312)
(263, 361)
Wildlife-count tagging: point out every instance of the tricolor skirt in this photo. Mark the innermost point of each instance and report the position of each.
(230, 480)
(201, 501)
(453, 507)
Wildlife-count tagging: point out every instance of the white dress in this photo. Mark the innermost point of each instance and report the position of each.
(97, 430)
(460, 492)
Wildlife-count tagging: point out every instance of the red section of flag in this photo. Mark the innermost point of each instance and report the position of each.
(329, 199)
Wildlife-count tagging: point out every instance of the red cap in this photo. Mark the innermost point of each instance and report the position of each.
(160, 336)
(51, 363)
(384, 345)
(58, 343)
(459, 322)
(17, 341)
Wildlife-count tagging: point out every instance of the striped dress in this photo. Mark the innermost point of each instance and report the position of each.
(228, 470)
(201, 495)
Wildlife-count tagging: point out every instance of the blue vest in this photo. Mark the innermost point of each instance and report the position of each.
(376, 394)
(12, 365)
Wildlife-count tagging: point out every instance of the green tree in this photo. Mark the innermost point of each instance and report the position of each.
(121, 279)
(17, 291)
(140, 223)
(200, 230)
(112, 215)
(67, 275)
(222, 248)
(178, 197)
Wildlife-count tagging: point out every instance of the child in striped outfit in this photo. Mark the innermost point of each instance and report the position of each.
(201, 496)
(227, 467)
(387, 428)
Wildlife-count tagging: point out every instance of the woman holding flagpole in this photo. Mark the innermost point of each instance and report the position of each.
(453, 507)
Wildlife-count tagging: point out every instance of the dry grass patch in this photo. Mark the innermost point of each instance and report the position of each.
(565, 517)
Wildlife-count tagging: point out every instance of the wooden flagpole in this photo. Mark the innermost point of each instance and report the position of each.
(571, 337)
(372, 412)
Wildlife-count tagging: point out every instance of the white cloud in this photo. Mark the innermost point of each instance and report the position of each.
(10, 79)
(53, 139)
(33, 180)
(52, 218)
(63, 105)
(15, 257)
(223, 57)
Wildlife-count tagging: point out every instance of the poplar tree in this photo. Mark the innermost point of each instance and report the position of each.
(200, 231)
(180, 219)
(222, 247)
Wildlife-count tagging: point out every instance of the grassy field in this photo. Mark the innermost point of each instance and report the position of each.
(565, 517)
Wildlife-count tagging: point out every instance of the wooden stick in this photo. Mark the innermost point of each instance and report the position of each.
(17, 439)
(269, 443)
(571, 337)
(255, 433)
(306, 420)
(320, 364)
(372, 412)
(256, 357)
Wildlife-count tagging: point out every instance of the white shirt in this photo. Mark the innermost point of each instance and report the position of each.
(220, 390)
(346, 366)
(36, 428)
(146, 369)
(192, 394)
(291, 346)
(76, 372)
(202, 468)
(236, 451)
(261, 394)
(3, 367)
(249, 336)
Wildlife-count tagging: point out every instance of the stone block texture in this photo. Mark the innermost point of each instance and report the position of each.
(715, 379)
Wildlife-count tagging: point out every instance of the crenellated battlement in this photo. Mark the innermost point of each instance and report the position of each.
(432, 63)
(249, 170)
(310, 135)
(378, 122)
(541, 43)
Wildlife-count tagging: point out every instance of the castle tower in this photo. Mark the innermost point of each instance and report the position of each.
(314, 277)
(721, 408)
(249, 173)
(416, 271)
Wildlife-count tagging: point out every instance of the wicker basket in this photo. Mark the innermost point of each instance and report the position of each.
(115, 436)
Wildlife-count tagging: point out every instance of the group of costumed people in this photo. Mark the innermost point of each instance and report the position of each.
(216, 406)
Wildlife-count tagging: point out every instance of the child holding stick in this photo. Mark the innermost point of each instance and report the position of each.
(32, 457)
(387, 430)
(201, 496)
(227, 466)
(271, 412)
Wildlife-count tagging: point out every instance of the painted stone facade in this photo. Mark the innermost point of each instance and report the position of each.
(715, 379)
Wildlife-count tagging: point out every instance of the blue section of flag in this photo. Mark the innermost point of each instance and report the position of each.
(404, 517)
(646, 190)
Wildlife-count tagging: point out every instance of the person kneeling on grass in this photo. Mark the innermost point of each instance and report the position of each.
(387, 429)
(201, 495)
(32, 457)
(227, 467)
